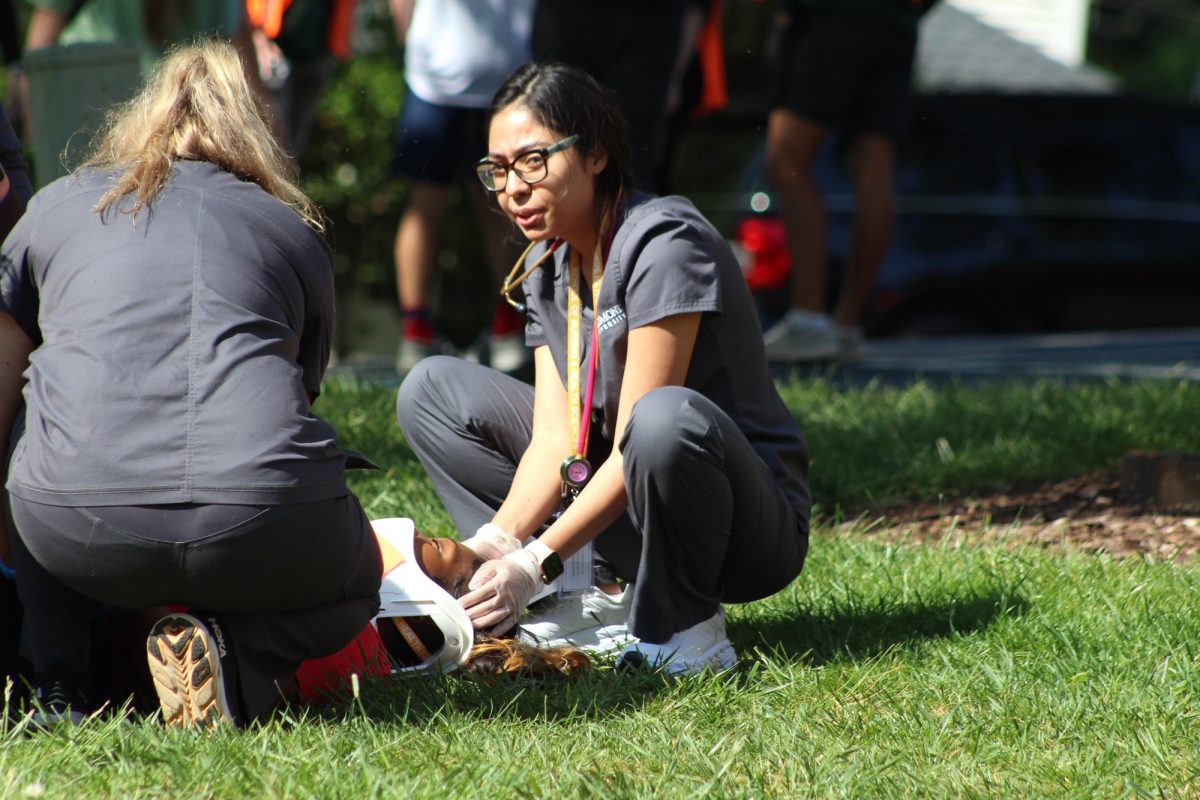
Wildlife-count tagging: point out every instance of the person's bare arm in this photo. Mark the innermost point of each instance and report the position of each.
(45, 26)
(402, 11)
(243, 42)
(658, 356)
(15, 348)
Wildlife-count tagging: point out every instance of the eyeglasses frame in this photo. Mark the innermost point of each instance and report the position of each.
(545, 152)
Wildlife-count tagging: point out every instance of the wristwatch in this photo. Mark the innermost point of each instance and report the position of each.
(551, 567)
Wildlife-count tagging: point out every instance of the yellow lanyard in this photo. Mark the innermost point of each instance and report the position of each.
(580, 427)
(575, 470)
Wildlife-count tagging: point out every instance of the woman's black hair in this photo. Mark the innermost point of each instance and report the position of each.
(568, 100)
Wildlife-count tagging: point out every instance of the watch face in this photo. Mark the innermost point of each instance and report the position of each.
(576, 471)
(552, 567)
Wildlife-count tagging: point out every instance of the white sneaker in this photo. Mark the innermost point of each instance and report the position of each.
(803, 336)
(593, 621)
(700, 647)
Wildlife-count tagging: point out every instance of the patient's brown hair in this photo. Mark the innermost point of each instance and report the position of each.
(498, 656)
(410, 641)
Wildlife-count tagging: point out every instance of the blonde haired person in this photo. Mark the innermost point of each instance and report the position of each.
(198, 107)
(170, 305)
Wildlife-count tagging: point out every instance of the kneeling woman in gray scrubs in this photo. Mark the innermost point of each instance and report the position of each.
(170, 305)
(653, 432)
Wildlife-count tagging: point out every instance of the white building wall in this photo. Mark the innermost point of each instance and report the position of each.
(1056, 27)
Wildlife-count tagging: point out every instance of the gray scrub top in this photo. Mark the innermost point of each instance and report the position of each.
(667, 259)
(172, 350)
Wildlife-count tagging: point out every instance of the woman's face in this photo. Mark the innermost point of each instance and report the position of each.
(447, 562)
(561, 205)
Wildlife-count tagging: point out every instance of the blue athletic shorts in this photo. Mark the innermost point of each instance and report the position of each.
(435, 143)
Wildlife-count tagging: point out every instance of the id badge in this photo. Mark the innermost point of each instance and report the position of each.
(579, 572)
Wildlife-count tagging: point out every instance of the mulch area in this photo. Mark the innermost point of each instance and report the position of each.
(1085, 513)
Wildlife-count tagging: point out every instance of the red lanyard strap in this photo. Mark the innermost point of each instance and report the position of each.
(576, 470)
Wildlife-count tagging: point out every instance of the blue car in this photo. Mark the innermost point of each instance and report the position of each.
(1016, 213)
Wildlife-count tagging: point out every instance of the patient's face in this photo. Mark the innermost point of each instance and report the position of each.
(447, 562)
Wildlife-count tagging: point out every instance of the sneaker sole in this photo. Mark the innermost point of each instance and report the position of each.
(187, 673)
(47, 720)
(783, 352)
(593, 641)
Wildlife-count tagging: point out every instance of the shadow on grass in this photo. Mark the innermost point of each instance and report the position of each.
(416, 700)
(860, 633)
(815, 639)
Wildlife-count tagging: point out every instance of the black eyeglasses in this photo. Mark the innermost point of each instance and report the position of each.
(530, 166)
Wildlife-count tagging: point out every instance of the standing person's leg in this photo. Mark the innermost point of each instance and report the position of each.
(428, 146)
(806, 332)
(792, 146)
(506, 345)
(504, 339)
(716, 528)
(304, 88)
(879, 118)
(823, 78)
(871, 231)
(415, 254)
(811, 88)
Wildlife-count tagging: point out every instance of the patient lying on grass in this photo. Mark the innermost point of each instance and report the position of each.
(450, 565)
(421, 627)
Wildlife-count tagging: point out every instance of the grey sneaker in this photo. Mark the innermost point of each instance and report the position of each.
(803, 336)
(411, 351)
(702, 646)
(185, 662)
(593, 621)
(852, 343)
(508, 353)
(56, 701)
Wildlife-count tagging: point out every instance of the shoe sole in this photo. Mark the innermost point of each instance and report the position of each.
(187, 673)
(593, 641)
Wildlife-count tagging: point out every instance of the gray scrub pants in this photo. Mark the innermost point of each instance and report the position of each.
(706, 521)
(284, 583)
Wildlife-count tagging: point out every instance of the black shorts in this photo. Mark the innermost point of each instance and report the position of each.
(850, 70)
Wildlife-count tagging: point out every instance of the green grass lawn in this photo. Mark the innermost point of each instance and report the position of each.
(884, 670)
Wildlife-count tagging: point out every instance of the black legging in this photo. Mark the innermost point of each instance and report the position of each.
(287, 583)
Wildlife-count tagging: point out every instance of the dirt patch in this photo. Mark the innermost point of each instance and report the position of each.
(1085, 513)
